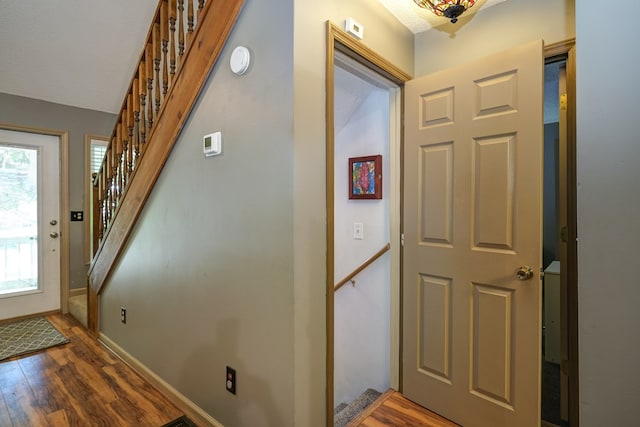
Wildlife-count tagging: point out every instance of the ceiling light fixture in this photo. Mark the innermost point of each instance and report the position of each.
(447, 8)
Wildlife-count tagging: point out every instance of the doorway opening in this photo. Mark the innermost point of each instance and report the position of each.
(366, 130)
(559, 386)
(554, 408)
(362, 235)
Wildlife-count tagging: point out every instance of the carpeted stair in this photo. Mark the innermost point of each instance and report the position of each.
(344, 413)
(78, 308)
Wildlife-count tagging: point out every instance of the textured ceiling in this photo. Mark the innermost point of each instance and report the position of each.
(74, 52)
(83, 52)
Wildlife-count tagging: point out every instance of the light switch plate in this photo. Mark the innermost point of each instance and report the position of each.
(358, 231)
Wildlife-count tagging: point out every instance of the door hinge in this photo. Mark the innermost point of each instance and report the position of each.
(564, 234)
(563, 102)
(401, 239)
(564, 367)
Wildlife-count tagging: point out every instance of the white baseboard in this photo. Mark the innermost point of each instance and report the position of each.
(77, 291)
(191, 410)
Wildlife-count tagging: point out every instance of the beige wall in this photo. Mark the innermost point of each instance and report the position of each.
(384, 34)
(493, 30)
(17, 110)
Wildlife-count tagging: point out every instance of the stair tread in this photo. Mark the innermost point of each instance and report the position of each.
(350, 411)
(339, 408)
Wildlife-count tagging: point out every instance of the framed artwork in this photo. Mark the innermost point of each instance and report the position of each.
(365, 177)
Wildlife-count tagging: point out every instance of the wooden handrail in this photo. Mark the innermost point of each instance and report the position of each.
(364, 265)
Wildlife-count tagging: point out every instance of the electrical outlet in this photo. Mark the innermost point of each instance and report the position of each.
(123, 315)
(231, 380)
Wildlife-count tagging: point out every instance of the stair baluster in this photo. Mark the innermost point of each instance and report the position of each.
(190, 19)
(180, 30)
(142, 99)
(172, 39)
(164, 34)
(148, 57)
(156, 61)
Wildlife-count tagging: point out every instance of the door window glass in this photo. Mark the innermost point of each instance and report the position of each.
(18, 219)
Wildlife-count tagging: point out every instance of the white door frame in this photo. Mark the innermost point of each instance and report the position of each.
(63, 137)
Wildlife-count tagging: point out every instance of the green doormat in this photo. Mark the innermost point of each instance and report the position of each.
(26, 336)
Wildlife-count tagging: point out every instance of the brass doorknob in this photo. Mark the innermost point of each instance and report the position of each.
(524, 272)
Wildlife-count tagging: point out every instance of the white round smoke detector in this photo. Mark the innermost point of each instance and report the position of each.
(240, 60)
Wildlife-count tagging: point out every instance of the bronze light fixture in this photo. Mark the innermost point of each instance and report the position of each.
(448, 8)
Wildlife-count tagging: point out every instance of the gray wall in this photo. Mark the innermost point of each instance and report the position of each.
(608, 216)
(17, 110)
(207, 276)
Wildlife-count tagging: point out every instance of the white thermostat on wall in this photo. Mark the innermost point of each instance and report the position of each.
(212, 144)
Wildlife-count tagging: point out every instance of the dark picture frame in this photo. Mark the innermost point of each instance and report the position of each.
(365, 177)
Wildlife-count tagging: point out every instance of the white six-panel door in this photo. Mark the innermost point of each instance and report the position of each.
(472, 217)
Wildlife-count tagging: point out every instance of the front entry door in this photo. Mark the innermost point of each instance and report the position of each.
(472, 218)
(29, 223)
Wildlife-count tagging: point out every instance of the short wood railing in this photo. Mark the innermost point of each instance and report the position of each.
(183, 43)
(364, 265)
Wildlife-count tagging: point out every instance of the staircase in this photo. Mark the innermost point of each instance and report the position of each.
(183, 44)
(345, 413)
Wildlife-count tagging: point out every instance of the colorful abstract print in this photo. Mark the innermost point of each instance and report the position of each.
(363, 176)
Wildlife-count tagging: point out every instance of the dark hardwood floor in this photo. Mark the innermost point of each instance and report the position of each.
(78, 384)
(83, 384)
